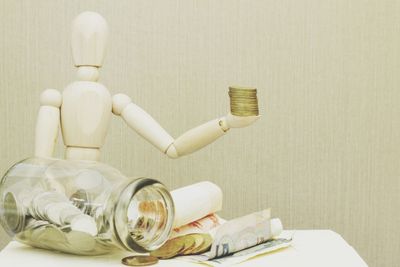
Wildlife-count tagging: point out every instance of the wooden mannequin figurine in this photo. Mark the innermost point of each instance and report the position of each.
(84, 108)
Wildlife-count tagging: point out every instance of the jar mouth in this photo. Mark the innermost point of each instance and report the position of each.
(143, 215)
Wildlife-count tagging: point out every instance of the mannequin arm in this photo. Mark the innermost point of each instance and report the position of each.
(192, 140)
(48, 123)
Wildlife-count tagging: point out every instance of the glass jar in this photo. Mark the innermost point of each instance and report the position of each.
(83, 207)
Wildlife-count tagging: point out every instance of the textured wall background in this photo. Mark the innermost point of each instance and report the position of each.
(326, 153)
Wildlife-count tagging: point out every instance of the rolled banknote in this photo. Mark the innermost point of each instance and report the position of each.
(196, 201)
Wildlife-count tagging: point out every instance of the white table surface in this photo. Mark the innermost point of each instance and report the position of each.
(319, 248)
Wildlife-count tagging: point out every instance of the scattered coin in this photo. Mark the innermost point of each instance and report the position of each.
(199, 240)
(184, 245)
(139, 260)
(170, 249)
(205, 246)
(189, 242)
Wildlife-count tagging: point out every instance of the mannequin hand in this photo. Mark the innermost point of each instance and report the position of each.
(239, 122)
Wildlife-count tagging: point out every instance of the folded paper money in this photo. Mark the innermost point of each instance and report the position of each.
(226, 242)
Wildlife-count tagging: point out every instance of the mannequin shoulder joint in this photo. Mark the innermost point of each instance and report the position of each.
(119, 102)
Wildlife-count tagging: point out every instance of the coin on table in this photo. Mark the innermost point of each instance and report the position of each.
(170, 249)
(139, 260)
(198, 242)
(205, 246)
(189, 242)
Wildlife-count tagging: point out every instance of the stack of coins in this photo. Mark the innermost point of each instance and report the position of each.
(190, 244)
(243, 101)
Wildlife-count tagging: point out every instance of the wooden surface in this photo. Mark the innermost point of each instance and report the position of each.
(326, 152)
(311, 248)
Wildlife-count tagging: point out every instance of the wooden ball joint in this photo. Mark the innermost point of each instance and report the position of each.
(84, 109)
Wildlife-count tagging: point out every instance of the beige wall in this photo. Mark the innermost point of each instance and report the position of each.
(326, 152)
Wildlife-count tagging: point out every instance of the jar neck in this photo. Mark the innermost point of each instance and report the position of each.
(143, 214)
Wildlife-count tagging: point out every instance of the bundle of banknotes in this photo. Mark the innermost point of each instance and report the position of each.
(216, 242)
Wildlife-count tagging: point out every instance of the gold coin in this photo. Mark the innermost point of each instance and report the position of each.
(139, 260)
(243, 99)
(236, 97)
(198, 242)
(247, 98)
(147, 206)
(207, 241)
(255, 102)
(189, 242)
(244, 106)
(245, 114)
(243, 103)
(239, 88)
(246, 93)
(170, 249)
(242, 111)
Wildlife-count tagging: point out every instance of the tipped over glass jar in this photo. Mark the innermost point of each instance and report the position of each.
(83, 207)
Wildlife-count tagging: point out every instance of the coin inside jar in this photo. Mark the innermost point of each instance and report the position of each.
(139, 260)
(80, 199)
